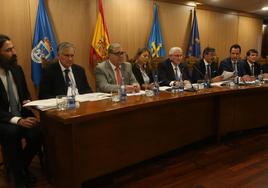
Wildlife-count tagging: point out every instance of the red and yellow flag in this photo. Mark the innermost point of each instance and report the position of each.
(101, 40)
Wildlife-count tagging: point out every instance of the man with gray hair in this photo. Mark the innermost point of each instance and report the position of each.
(172, 69)
(110, 74)
(57, 77)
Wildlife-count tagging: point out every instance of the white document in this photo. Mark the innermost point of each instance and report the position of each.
(164, 88)
(226, 75)
(92, 97)
(43, 105)
(219, 84)
(47, 104)
(142, 92)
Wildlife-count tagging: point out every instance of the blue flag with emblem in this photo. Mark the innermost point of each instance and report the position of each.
(156, 43)
(194, 41)
(44, 43)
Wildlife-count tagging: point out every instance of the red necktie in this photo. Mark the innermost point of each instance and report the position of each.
(118, 76)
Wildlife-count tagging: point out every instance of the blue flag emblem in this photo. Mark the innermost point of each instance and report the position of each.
(44, 43)
(156, 43)
(41, 51)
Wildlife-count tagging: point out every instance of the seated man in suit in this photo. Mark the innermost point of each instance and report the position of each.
(110, 74)
(201, 69)
(250, 68)
(172, 69)
(16, 122)
(233, 61)
(57, 77)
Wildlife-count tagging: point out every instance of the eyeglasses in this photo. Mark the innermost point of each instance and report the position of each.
(118, 53)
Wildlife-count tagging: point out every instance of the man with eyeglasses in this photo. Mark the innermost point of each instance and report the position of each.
(113, 72)
(173, 69)
(206, 66)
(58, 77)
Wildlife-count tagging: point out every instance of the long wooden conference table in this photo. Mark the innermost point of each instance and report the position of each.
(103, 136)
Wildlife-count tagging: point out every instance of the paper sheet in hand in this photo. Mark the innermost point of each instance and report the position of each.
(226, 75)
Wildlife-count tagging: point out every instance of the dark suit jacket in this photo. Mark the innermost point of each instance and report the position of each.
(53, 83)
(265, 68)
(138, 75)
(23, 94)
(199, 71)
(227, 65)
(246, 68)
(166, 72)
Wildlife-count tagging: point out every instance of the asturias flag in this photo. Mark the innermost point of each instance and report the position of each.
(44, 43)
(101, 41)
(194, 42)
(156, 43)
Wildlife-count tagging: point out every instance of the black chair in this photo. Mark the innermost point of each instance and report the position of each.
(3, 163)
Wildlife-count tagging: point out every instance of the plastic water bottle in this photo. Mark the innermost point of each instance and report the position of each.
(71, 103)
(180, 84)
(156, 85)
(260, 77)
(123, 91)
(236, 77)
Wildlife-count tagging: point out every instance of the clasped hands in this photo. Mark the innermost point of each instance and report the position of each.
(134, 88)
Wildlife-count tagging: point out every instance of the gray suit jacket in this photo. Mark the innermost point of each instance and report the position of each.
(105, 78)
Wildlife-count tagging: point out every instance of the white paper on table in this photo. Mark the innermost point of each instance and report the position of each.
(164, 88)
(219, 84)
(226, 75)
(141, 92)
(92, 97)
(43, 104)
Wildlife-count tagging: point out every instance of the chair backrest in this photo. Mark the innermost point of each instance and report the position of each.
(155, 62)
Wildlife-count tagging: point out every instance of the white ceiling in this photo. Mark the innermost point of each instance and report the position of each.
(249, 6)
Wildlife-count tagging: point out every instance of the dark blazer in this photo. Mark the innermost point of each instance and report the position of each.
(53, 83)
(246, 68)
(227, 65)
(166, 73)
(23, 94)
(199, 71)
(138, 75)
(264, 68)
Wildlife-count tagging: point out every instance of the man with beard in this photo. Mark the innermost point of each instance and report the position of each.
(16, 122)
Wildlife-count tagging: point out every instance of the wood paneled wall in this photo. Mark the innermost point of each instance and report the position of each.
(129, 22)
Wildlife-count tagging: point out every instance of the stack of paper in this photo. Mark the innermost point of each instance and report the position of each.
(43, 105)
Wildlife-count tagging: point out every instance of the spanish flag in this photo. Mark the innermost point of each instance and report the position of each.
(101, 39)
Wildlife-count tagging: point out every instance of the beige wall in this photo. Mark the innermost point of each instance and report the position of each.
(129, 22)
